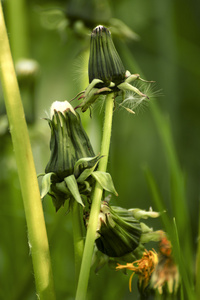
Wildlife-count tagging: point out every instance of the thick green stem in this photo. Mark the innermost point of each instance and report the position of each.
(17, 22)
(96, 202)
(27, 175)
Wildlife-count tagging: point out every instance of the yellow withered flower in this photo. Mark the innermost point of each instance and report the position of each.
(158, 270)
(143, 267)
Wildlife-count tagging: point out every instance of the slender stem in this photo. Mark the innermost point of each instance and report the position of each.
(27, 175)
(96, 202)
(78, 237)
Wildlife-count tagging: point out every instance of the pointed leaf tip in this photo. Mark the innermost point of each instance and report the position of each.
(73, 187)
(105, 180)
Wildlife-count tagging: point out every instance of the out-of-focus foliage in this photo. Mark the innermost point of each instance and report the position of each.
(56, 35)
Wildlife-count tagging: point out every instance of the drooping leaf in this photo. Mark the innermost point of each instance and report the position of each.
(46, 183)
(73, 187)
(105, 180)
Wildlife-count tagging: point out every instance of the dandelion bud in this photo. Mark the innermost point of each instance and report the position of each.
(119, 232)
(104, 62)
(69, 141)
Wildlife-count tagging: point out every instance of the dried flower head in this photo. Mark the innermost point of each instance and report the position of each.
(166, 273)
(143, 267)
(157, 271)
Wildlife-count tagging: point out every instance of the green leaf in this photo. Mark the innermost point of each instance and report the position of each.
(105, 180)
(73, 187)
(46, 183)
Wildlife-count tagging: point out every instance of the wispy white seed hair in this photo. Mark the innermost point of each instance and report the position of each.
(98, 27)
(61, 106)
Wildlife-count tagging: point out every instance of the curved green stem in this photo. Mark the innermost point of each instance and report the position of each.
(96, 202)
(26, 169)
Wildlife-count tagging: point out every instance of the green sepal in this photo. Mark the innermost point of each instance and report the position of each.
(143, 214)
(85, 174)
(84, 187)
(92, 85)
(46, 184)
(89, 99)
(73, 187)
(128, 87)
(85, 163)
(150, 236)
(89, 164)
(58, 199)
(105, 180)
(61, 186)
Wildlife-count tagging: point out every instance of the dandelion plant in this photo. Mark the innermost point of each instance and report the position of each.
(76, 177)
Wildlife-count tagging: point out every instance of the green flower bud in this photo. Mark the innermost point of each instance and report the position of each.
(104, 62)
(69, 142)
(118, 231)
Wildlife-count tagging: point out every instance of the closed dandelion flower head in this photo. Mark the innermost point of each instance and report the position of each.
(106, 71)
(69, 142)
(104, 63)
(121, 233)
(72, 159)
(118, 231)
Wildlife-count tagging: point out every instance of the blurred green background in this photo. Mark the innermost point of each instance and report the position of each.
(56, 35)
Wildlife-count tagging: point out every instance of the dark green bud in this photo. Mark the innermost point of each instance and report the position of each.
(69, 142)
(118, 231)
(104, 62)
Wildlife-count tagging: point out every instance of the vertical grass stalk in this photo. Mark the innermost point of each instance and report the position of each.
(96, 202)
(26, 169)
(17, 24)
